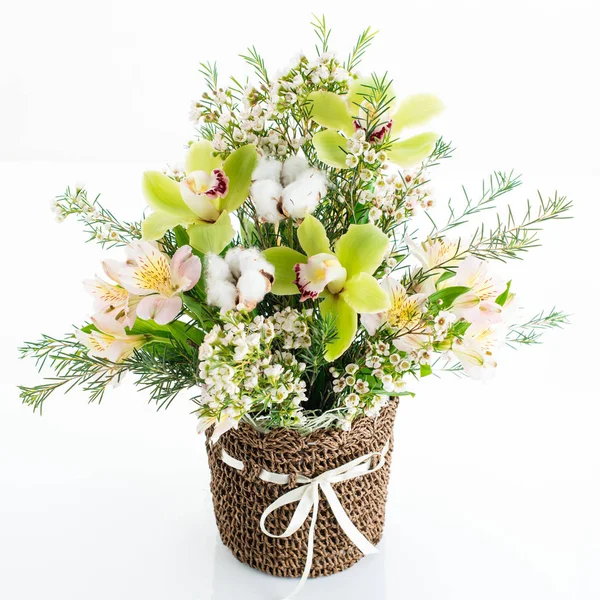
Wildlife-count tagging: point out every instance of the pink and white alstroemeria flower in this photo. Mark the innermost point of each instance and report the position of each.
(477, 350)
(404, 314)
(159, 280)
(113, 300)
(433, 253)
(321, 271)
(479, 304)
(110, 341)
(200, 190)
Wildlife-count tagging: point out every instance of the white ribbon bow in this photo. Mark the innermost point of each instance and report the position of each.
(307, 496)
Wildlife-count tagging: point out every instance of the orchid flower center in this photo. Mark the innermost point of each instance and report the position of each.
(320, 272)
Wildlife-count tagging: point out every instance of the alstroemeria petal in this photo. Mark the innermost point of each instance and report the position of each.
(331, 110)
(364, 294)
(161, 310)
(361, 249)
(200, 158)
(238, 167)
(416, 110)
(155, 225)
(345, 322)
(413, 150)
(329, 145)
(212, 237)
(186, 269)
(284, 260)
(163, 195)
(313, 237)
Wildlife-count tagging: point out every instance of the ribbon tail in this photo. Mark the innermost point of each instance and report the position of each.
(314, 494)
(348, 527)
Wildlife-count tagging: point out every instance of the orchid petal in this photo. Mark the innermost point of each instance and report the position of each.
(239, 167)
(364, 294)
(212, 237)
(331, 110)
(200, 157)
(413, 150)
(362, 248)
(163, 195)
(193, 192)
(160, 309)
(329, 145)
(313, 237)
(345, 323)
(322, 271)
(155, 225)
(416, 110)
(284, 260)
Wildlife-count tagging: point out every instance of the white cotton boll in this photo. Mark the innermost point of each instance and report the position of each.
(267, 168)
(265, 195)
(301, 197)
(217, 269)
(221, 293)
(232, 259)
(293, 167)
(252, 287)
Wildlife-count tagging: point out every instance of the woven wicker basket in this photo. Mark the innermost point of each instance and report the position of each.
(240, 497)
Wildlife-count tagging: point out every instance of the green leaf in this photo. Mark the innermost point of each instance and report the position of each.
(460, 328)
(181, 236)
(444, 277)
(329, 145)
(184, 331)
(416, 110)
(448, 295)
(384, 393)
(200, 157)
(503, 297)
(364, 294)
(331, 110)
(163, 195)
(413, 150)
(239, 167)
(313, 237)
(425, 370)
(284, 259)
(155, 225)
(212, 237)
(361, 249)
(197, 308)
(345, 324)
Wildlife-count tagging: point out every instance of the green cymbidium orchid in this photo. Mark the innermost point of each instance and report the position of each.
(203, 201)
(343, 116)
(343, 277)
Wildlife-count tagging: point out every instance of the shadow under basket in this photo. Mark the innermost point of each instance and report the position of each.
(240, 497)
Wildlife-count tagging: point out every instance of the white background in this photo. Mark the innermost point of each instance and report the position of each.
(495, 488)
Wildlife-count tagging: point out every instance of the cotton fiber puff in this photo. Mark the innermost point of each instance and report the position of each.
(267, 168)
(301, 197)
(266, 196)
(292, 168)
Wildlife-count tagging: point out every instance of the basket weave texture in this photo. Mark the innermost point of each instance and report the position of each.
(240, 497)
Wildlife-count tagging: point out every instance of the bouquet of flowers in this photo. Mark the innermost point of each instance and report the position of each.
(279, 279)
